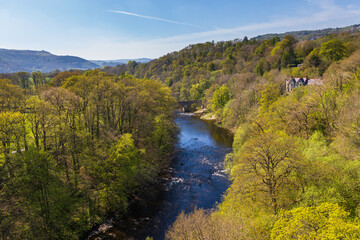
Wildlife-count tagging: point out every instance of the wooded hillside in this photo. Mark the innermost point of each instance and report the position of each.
(295, 166)
(75, 154)
(77, 146)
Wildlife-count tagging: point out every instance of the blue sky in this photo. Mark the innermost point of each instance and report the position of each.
(114, 29)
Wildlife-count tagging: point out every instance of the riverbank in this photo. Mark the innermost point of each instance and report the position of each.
(144, 204)
(140, 210)
(196, 178)
(206, 115)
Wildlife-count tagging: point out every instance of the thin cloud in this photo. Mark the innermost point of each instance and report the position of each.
(155, 18)
(322, 14)
(329, 13)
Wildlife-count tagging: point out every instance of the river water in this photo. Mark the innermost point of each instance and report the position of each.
(196, 179)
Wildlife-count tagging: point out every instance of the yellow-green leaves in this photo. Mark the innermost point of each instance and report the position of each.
(12, 132)
(333, 50)
(326, 221)
(268, 96)
(267, 165)
(119, 174)
(11, 96)
(221, 97)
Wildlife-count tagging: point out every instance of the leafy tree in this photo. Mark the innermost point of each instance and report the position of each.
(131, 66)
(38, 78)
(184, 94)
(162, 135)
(211, 66)
(285, 49)
(221, 97)
(268, 163)
(23, 79)
(11, 96)
(268, 96)
(119, 174)
(313, 59)
(12, 134)
(40, 202)
(203, 225)
(228, 65)
(84, 163)
(261, 49)
(297, 114)
(60, 78)
(303, 48)
(262, 66)
(326, 221)
(333, 50)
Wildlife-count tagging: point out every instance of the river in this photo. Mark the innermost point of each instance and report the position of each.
(196, 179)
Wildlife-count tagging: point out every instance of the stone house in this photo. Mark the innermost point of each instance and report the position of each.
(298, 82)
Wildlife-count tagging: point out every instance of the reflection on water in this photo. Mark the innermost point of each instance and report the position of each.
(197, 177)
(205, 132)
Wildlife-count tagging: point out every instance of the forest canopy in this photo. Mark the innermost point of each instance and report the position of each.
(76, 148)
(295, 161)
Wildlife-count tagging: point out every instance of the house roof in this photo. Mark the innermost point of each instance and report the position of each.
(310, 81)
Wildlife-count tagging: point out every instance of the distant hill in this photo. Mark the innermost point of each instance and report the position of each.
(30, 61)
(113, 63)
(191, 71)
(310, 34)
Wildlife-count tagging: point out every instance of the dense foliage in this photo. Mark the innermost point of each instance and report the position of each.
(295, 166)
(198, 70)
(77, 152)
(77, 146)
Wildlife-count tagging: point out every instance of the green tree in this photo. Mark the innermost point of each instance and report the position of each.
(262, 66)
(184, 94)
(22, 79)
(268, 164)
(268, 96)
(119, 174)
(58, 80)
(285, 50)
(195, 91)
(228, 65)
(11, 96)
(38, 78)
(326, 221)
(40, 202)
(12, 134)
(313, 59)
(162, 135)
(333, 50)
(221, 97)
(131, 66)
(303, 48)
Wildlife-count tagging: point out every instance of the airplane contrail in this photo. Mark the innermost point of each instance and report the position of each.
(155, 18)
